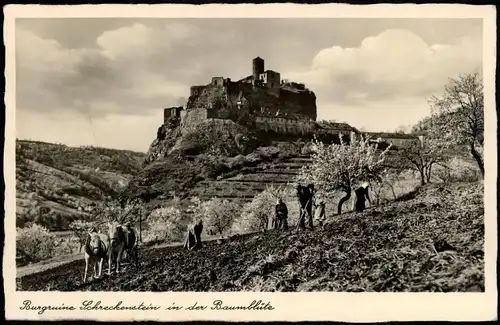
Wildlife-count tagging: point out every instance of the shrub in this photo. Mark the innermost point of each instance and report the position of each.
(34, 243)
(458, 170)
(256, 215)
(219, 215)
(164, 225)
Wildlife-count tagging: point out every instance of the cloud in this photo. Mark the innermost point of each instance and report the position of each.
(124, 71)
(395, 63)
(371, 85)
(130, 72)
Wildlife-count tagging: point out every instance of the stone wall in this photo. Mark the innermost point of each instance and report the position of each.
(194, 116)
(395, 139)
(284, 125)
(196, 90)
(171, 111)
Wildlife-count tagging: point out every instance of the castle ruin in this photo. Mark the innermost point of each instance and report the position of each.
(261, 101)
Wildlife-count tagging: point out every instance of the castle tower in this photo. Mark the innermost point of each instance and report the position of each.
(257, 67)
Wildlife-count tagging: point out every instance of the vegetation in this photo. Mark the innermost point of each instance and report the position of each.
(164, 225)
(257, 214)
(432, 241)
(57, 184)
(422, 157)
(460, 110)
(219, 216)
(35, 243)
(339, 167)
(424, 231)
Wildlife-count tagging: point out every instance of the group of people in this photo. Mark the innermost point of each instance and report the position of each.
(307, 204)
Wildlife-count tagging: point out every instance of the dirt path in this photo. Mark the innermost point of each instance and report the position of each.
(68, 259)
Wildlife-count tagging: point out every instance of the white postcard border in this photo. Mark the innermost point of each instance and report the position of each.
(320, 306)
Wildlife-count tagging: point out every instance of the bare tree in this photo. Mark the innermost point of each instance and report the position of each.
(461, 112)
(423, 157)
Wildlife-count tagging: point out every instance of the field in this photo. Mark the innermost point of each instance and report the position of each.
(429, 240)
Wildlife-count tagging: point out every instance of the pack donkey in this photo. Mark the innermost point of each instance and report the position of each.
(123, 238)
(95, 249)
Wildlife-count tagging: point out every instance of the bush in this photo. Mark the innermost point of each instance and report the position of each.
(256, 215)
(211, 166)
(458, 170)
(35, 243)
(164, 225)
(219, 215)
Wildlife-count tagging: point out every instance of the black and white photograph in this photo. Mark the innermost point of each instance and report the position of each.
(251, 154)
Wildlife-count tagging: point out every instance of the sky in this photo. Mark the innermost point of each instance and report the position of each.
(105, 81)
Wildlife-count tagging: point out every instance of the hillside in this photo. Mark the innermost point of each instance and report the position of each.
(249, 181)
(192, 162)
(430, 240)
(57, 183)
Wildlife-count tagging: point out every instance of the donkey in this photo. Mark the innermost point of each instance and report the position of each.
(96, 249)
(122, 239)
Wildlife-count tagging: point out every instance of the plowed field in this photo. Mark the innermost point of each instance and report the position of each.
(431, 240)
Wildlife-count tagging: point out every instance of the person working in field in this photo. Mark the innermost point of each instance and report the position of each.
(193, 236)
(319, 212)
(361, 197)
(281, 220)
(305, 195)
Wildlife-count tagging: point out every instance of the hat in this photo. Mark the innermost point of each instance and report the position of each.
(365, 184)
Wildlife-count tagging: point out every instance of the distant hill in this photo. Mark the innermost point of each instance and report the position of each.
(56, 184)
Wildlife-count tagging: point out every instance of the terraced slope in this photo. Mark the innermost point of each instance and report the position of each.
(244, 186)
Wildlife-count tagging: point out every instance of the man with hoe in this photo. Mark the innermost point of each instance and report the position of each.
(193, 237)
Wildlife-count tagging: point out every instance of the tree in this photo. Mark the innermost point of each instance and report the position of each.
(165, 225)
(35, 243)
(402, 129)
(339, 167)
(255, 215)
(80, 230)
(219, 215)
(423, 156)
(461, 109)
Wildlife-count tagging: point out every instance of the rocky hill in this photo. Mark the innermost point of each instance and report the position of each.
(57, 183)
(188, 162)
